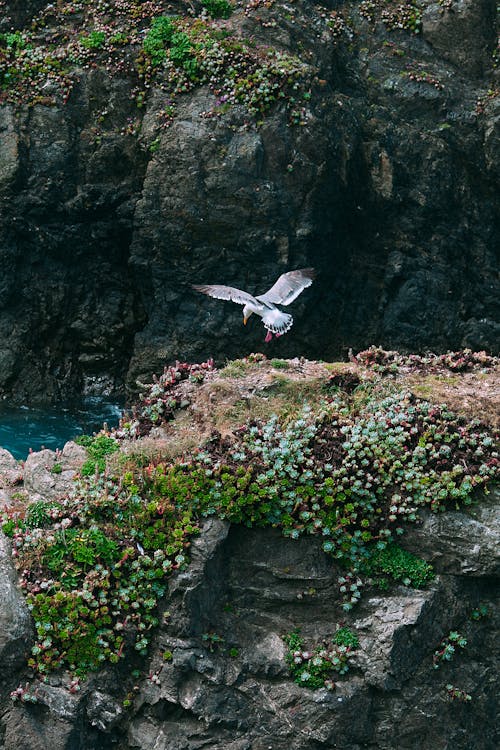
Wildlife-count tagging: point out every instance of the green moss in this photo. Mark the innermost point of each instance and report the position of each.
(157, 39)
(280, 364)
(345, 637)
(94, 40)
(218, 8)
(400, 565)
(103, 564)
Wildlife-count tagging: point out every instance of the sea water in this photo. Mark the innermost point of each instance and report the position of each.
(23, 428)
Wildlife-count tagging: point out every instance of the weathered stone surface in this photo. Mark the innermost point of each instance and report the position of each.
(15, 622)
(471, 21)
(49, 474)
(25, 728)
(16, 13)
(9, 467)
(459, 543)
(260, 587)
(250, 587)
(387, 164)
(103, 711)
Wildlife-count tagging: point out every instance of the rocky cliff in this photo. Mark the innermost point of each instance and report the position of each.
(245, 139)
(240, 653)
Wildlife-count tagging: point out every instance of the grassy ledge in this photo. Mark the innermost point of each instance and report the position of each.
(351, 468)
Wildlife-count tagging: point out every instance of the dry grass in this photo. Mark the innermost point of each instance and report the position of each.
(473, 394)
(245, 391)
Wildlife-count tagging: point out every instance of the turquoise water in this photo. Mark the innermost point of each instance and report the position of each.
(22, 427)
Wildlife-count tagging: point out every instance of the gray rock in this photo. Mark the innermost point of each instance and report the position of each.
(16, 633)
(250, 587)
(466, 544)
(50, 475)
(39, 479)
(11, 472)
(26, 729)
(103, 711)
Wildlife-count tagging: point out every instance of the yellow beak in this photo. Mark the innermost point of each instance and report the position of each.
(245, 321)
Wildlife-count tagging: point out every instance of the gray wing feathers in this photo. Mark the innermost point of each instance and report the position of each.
(289, 286)
(225, 292)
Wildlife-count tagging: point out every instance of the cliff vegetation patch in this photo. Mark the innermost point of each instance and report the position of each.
(353, 471)
(171, 47)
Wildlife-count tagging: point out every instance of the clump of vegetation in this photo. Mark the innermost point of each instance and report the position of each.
(98, 448)
(159, 399)
(399, 565)
(157, 39)
(394, 14)
(383, 361)
(93, 568)
(194, 53)
(176, 53)
(314, 668)
(421, 76)
(446, 5)
(345, 637)
(218, 8)
(94, 565)
(480, 612)
(93, 40)
(279, 364)
(457, 694)
(447, 648)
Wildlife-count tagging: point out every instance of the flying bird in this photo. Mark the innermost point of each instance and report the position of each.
(283, 292)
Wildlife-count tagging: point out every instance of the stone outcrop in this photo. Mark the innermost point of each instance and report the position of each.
(44, 475)
(388, 188)
(216, 672)
(216, 675)
(15, 622)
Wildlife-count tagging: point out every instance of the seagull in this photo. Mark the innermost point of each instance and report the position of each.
(283, 292)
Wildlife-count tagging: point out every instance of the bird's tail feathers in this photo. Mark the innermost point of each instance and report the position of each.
(277, 321)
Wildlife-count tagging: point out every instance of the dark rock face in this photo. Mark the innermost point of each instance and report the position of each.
(389, 188)
(68, 308)
(249, 587)
(16, 13)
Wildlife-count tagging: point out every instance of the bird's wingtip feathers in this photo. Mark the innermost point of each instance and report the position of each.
(309, 273)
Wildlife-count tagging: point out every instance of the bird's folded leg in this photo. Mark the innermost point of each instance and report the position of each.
(268, 338)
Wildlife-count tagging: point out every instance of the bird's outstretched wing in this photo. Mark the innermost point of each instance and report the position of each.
(289, 286)
(225, 292)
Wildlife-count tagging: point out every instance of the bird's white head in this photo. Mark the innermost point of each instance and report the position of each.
(247, 311)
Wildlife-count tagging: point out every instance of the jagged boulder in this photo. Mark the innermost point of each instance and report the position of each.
(15, 623)
(50, 474)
